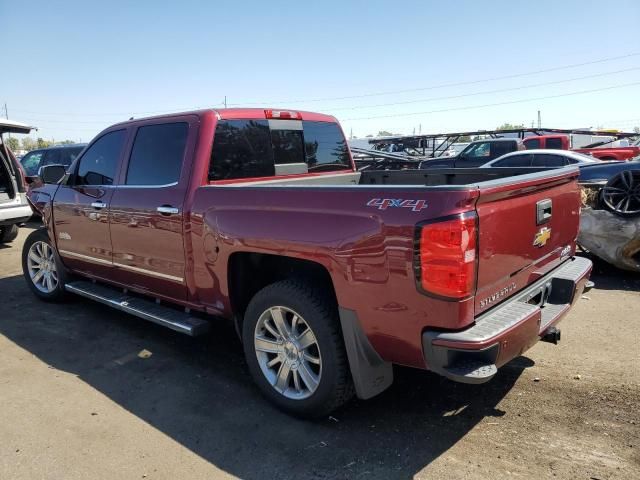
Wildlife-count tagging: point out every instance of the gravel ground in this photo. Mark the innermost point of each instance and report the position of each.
(78, 402)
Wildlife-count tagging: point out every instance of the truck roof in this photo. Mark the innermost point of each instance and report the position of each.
(237, 113)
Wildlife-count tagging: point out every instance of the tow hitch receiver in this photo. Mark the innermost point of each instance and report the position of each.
(552, 335)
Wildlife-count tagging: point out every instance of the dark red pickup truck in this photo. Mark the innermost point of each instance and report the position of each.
(330, 275)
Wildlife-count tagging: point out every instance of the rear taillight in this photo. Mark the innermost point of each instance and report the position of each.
(446, 256)
(283, 114)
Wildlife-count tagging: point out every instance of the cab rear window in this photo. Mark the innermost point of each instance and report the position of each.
(253, 148)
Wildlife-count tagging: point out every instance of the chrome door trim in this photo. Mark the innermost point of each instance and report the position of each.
(101, 261)
(149, 272)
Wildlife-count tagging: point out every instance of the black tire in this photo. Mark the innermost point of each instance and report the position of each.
(320, 313)
(8, 233)
(59, 293)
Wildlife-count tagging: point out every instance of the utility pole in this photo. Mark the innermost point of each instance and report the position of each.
(225, 101)
(539, 120)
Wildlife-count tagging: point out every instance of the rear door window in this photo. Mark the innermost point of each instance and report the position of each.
(99, 163)
(532, 143)
(157, 154)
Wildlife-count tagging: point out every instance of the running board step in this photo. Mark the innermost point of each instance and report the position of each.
(471, 371)
(140, 307)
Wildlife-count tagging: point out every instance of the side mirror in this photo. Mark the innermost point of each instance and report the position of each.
(52, 173)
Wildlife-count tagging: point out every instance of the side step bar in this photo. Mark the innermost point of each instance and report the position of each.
(140, 307)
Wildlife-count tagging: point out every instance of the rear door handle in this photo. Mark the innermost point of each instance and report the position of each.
(99, 205)
(168, 210)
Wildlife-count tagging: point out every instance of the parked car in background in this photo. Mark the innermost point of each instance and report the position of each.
(616, 184)
(541, 158)
(54, 155)
(14, 208)
(564, 142)
(476, 153)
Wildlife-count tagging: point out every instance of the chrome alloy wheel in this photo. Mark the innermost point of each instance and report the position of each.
(622, 192)
(41, 264)
(288, 353)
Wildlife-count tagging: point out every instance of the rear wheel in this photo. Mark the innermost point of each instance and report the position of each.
(8, 233)
(42, 268)
(294, 349)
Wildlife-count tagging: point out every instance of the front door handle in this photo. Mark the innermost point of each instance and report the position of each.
(99, 205)
(168, 210)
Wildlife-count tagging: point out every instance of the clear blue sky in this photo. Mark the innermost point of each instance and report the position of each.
(76, 67)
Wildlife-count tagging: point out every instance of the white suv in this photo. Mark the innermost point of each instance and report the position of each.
(14, 208)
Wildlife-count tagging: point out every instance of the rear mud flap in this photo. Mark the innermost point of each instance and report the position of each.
(371, 374)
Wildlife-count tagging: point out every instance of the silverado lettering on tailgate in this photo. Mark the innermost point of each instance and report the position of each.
(498, 295)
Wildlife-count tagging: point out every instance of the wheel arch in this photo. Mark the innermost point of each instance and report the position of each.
(249, 272)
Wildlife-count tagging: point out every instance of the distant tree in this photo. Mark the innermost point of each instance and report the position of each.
(29, 144)
(384, 133)
(464, 139)
(41, 143)
(509, 126)
(65, 142)
(13, 143)
(369, 136)
(636, 129)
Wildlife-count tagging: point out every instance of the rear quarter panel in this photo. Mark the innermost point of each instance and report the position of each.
(367, 250)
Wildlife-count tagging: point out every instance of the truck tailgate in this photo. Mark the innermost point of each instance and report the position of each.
(527, 227)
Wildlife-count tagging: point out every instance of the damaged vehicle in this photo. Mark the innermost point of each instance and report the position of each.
(14, 208)
(610, 215)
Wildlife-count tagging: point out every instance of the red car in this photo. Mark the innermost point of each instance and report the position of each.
(330, 275)
(563, 142)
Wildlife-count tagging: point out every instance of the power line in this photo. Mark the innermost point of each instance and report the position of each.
(365, 95)
(443, 85)
(471, 107)
(485, 92)
(121, 114)
(361, 107)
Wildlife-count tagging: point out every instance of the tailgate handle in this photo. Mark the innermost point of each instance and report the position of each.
(543, 211)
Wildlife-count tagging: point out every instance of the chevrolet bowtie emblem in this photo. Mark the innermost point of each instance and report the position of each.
(542, 237)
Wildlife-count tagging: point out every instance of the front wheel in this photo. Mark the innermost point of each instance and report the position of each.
(294, 349)
(42, 268)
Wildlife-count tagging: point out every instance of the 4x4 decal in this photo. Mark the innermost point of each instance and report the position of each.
(384, 203)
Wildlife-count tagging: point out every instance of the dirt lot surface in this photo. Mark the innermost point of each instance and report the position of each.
(77, 402)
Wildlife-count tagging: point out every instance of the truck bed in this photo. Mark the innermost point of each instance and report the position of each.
(431, 178)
